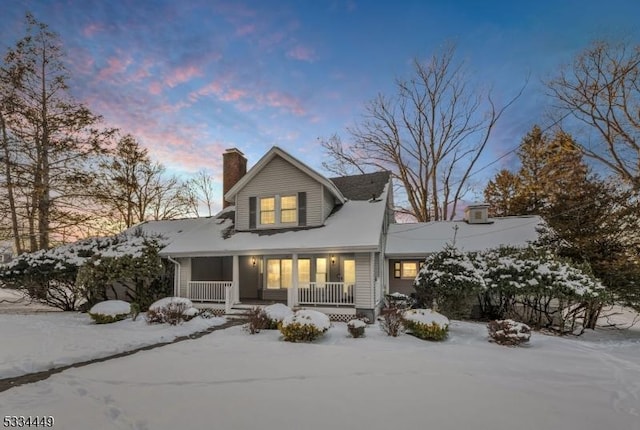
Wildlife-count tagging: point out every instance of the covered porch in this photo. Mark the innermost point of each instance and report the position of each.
(297, 280)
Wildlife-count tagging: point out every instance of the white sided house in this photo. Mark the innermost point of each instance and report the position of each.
(287, 234)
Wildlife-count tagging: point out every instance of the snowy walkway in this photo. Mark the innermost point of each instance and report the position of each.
(31, 343)
(28, 378)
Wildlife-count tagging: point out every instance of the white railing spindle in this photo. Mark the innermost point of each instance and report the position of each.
(208, 291)
(326, 293)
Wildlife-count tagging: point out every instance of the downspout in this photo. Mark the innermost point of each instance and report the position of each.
(176, 276)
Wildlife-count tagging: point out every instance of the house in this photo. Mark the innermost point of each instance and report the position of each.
(408, 244)
(7, 251)
(291, 235)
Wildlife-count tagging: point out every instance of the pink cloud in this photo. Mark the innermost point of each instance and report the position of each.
(245, 29)
(302, 53)
(233, 95)
(115, 66)
(92, 28)
(155, 88)
(181, 75)
(283, 101)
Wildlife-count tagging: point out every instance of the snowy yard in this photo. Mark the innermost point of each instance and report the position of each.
(231, 380)
(44, 340)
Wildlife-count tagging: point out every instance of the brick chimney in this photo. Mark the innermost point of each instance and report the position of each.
(234, 166)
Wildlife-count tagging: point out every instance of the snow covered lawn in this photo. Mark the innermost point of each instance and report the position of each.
(231, 380)
(41, 341)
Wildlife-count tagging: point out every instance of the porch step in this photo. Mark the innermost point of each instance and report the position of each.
(238, 313)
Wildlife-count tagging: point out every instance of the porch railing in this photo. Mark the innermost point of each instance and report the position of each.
(208, 291)
(326, 293)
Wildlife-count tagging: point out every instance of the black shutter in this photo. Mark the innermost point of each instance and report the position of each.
(252, 212)
(302, 209)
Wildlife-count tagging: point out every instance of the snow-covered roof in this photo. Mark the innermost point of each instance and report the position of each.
(276, 151)
(356, 225)
(169, 229)
(419, 239)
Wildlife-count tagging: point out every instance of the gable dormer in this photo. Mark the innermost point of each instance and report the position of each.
(281, 192)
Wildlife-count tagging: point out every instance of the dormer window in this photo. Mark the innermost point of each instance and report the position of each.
(278, 210)
(288, 209)
(267, 210)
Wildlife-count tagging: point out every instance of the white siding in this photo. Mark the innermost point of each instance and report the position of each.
(364, 282)
(185, 275)
(278, 177)
(329, 203)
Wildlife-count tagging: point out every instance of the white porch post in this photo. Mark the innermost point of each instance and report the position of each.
(293, 297)
(236, 279)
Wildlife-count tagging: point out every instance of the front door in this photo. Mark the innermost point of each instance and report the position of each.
(249, 277)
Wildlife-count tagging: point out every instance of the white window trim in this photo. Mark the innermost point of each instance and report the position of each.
(277, 212)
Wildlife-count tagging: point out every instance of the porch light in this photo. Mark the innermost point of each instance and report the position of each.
(253, 261)
(333, 260)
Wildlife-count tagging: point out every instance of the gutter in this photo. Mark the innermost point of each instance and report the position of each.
(176, 276)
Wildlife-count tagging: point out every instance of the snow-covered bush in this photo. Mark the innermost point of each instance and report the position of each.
(110, 311)
(426, 324)
(304, 326)
(171, 310)
(448, 281)
(391, 321)
(538, 288)
(508, 332)
(257, 320)
(400, 300)
(69, 275)
(356, 328)
(275, 314)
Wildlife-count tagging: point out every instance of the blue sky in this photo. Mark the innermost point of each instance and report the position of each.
(191, 78)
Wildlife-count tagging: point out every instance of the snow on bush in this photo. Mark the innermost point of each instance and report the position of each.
(257, 320)
(508, 332)
(535, 286)
(449, 280)
(171, 310)
(110, 311)
(304, 326)
(391, 321)
(276, 313)
(426, 324)
(356, 328)
(52, 276)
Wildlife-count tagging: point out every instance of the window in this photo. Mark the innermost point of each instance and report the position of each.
(477, 215)
(288, 209)
(321, 270)
(409, 269)
(278, 210)
(273, 273)
(304, 272)
(268, 210)
(405, 269)
(280, 272)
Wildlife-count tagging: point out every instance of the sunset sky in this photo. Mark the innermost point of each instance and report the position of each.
(191, 78)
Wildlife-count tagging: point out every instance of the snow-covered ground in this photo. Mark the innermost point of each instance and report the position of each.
(12, 301)
(41, 341)
(232, 380)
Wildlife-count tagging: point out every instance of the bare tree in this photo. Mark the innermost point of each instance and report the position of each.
(201, 193)
(602, 90)
(131, 188)
(49, 136)
(430, 135)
